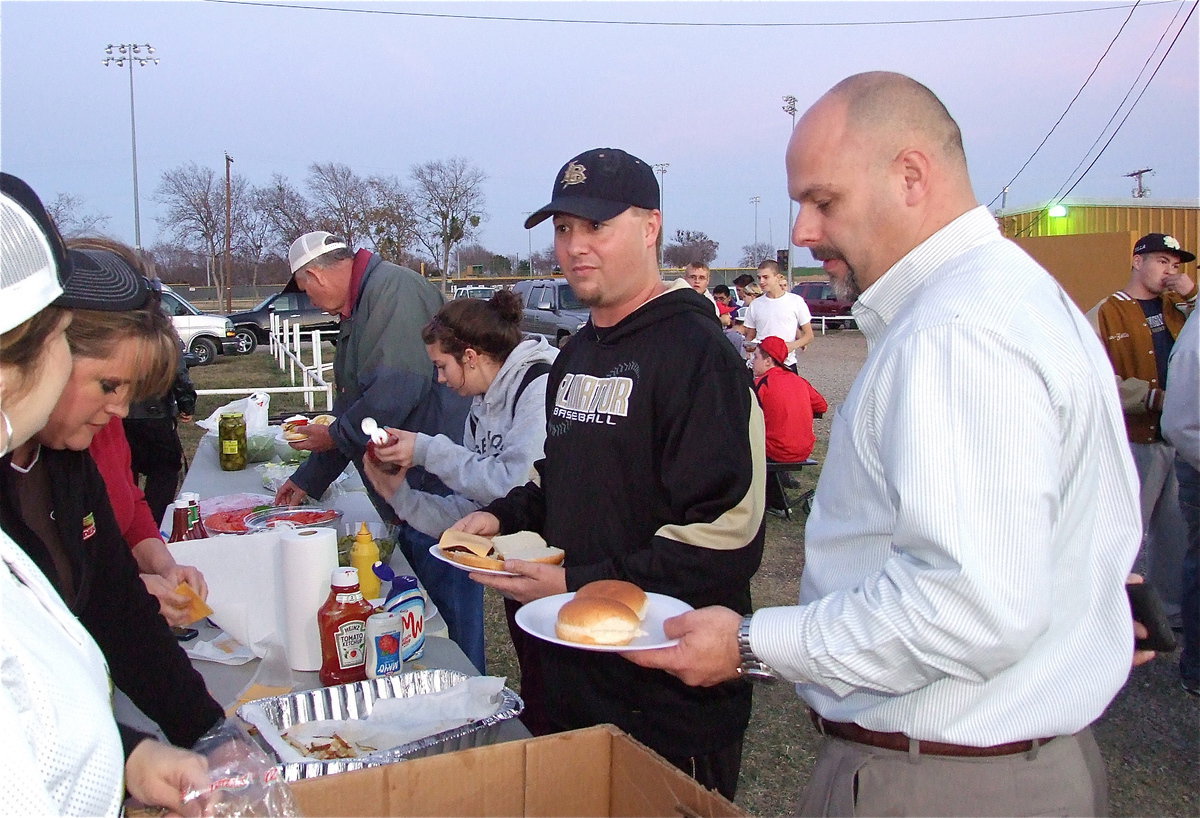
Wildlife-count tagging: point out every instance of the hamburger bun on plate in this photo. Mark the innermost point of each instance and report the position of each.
(490, 552)
(624, 592)
(597, 621)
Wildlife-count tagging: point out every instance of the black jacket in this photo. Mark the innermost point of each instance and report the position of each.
(108, 597)
(180, 398)
(633, 488)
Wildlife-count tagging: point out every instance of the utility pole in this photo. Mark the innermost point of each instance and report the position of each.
(1140, 192)
(228, 233)
(789, 107)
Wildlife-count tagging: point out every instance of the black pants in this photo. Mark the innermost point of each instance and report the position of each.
(717, 770)
(533, 687)
(775, 498)
(156, 453)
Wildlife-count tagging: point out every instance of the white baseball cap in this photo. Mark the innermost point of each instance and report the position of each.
(310, 246)
(29, 265)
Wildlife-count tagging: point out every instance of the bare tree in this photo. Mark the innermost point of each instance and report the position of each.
(66, 210)
(285, 209)
(449, 205)
(177, 264)
(689, 246)
(340, 200)
(255, 235)
(389, 220)
(195, 200)
(544, 262)
(755, 254)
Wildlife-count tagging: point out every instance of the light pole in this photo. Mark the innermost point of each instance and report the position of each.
(661, 170)
(754, 200)
(789, 107)
(228, 234)
(128, 54)
(529, 235)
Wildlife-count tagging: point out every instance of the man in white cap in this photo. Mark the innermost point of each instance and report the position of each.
(382, 371)
(1138, 327)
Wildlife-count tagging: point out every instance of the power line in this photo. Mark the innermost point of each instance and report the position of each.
(1128, 113)
(1063, 115)
(676, 23)
(1124, 99)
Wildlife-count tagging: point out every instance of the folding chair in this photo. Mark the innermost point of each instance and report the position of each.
(775, 471)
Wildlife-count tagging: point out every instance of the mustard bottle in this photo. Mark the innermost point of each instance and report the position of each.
(363, 554)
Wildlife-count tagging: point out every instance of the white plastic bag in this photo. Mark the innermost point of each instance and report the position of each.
(254, 409)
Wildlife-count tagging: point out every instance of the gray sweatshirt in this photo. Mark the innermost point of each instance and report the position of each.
(498, 451)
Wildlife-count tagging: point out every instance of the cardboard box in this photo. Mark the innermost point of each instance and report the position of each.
(596, 771)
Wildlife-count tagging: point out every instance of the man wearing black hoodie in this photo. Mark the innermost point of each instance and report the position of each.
(629, 487)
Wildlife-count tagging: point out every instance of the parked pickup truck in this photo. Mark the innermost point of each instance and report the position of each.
(253, 326)
(204, 336)
(551, 309)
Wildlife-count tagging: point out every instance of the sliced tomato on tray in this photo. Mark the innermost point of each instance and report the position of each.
(231, 521)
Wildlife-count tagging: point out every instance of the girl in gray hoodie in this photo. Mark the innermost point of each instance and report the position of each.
(479, 352)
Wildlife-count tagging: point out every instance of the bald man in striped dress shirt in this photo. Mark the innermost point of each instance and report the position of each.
(962, 616)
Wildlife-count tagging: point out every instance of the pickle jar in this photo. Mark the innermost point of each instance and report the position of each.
(231, 441)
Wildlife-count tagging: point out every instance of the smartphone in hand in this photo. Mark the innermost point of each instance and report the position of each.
(1146, 607)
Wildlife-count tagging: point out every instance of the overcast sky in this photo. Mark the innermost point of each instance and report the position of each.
(279, 87)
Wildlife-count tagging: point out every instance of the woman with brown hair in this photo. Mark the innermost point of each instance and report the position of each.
(54, 503)
(110, 448)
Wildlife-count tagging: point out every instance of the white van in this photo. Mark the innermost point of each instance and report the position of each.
(204, 335)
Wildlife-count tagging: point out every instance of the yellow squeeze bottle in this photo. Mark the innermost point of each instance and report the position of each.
(363, 554)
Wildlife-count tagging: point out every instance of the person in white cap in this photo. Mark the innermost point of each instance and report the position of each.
(382, 371)
(64, 750)
(1138, 326)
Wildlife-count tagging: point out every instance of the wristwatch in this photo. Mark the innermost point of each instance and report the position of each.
(752, 668)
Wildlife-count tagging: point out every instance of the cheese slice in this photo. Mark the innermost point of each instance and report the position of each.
(477, 545)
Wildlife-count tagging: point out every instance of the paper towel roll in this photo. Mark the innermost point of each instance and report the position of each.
(308, 559)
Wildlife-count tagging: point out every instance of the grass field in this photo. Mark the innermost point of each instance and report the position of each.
(1148, 735)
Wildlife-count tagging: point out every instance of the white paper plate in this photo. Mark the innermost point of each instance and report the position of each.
(538, 618)
(436, 552)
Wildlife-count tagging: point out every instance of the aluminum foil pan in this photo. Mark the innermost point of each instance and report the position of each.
(356, 700)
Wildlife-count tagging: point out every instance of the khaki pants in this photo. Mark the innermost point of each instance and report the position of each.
(1064, 777)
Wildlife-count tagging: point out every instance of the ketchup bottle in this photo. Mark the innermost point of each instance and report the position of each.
(342, 624)
(181, 523)
(197, 526)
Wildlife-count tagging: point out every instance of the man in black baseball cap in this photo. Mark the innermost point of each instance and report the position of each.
(1138, 326)
(600, 184)
(629, 485)
(1162, 243)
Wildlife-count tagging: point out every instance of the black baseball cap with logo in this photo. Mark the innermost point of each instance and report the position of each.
(600, 184)
(1162, 243)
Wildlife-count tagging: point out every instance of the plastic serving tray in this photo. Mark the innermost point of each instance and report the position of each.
(293, 517)
(356, 700)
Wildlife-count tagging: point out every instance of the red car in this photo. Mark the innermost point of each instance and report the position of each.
(821, 301)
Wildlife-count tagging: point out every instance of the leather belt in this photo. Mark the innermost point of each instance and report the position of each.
(848, 731)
